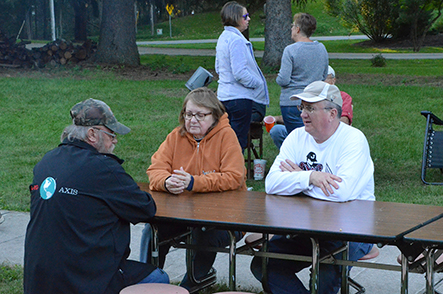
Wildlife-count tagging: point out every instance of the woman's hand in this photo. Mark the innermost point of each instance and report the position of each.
(174, 185)
(178, 181)
(183, 176)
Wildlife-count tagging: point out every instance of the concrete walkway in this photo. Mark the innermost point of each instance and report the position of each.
(209, 52)
(144, 50)
(205, 41)
(12, 235)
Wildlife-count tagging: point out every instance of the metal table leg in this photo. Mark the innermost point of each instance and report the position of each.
(315, 265)
(264, 267)
(345, 271)
(404, 274)
(430, 271)
(232, 264)
(154, 246)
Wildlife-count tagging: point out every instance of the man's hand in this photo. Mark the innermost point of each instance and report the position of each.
(289, 166)
(325, 181)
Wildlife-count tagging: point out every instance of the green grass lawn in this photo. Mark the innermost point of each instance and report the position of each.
(190, 27)
(11, 279)
(36, 109)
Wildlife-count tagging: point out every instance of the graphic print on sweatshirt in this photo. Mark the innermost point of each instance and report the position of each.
(311, 163)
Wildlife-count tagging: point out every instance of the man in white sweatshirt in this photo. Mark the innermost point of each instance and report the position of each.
(327, 160)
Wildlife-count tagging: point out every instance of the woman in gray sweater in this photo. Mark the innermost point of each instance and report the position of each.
(303, 62)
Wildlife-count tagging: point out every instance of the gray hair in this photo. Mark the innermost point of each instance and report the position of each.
(73, 132)
(333, 105)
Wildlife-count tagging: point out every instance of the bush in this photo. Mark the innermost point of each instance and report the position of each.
(378, 61)
(374, 18)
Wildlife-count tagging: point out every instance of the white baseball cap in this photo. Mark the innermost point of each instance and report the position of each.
(319, 91)
(331, 71)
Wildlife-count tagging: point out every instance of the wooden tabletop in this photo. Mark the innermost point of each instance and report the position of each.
(364, 221)
(430, 234)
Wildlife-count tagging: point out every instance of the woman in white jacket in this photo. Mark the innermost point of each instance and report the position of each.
(241, 81)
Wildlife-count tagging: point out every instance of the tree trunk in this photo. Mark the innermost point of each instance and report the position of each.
(418, 37)
(28, 24)
(277, 31)
(81, 20)
(41, 15)
(117, 33)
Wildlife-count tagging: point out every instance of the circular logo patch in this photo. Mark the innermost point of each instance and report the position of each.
(47, 188)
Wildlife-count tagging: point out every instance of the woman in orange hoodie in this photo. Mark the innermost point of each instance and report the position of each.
(201, 155)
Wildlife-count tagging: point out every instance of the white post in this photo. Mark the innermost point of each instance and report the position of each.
(51, 6)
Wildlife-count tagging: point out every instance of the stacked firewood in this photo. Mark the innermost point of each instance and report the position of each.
(62, 52)
(58, 52)
(13, 54)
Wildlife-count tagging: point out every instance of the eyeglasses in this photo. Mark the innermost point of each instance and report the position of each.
(107, 133)
(245, 16)
(309, 108)
(198, 116)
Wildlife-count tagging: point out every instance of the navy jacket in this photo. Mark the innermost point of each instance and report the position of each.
(77, 240)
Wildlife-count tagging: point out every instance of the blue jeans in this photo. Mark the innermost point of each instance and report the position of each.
(239, 114)
(258, 112)
(278, 134)
(156, 276)
(203, 260)
(291, 117)
(282, 278)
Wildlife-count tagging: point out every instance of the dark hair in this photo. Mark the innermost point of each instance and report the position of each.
(231, 14)
(202, 97)
(306, 22)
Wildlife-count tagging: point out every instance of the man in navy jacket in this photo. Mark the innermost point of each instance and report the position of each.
(82, 202)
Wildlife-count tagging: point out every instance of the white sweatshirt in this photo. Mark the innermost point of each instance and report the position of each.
(345, 154)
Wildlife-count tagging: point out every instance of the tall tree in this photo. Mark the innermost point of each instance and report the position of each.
(117, 43)
(423, 13)
(81, 19)
(277, 31)
(41, 15)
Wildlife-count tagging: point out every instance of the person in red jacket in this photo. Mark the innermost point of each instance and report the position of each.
(202, 154)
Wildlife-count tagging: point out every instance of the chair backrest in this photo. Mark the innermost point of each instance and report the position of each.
(200, 78)
(432, 147)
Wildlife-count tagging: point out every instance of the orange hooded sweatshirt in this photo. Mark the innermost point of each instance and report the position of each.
(216, 162)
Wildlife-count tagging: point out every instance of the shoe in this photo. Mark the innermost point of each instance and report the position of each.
(2, 219)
